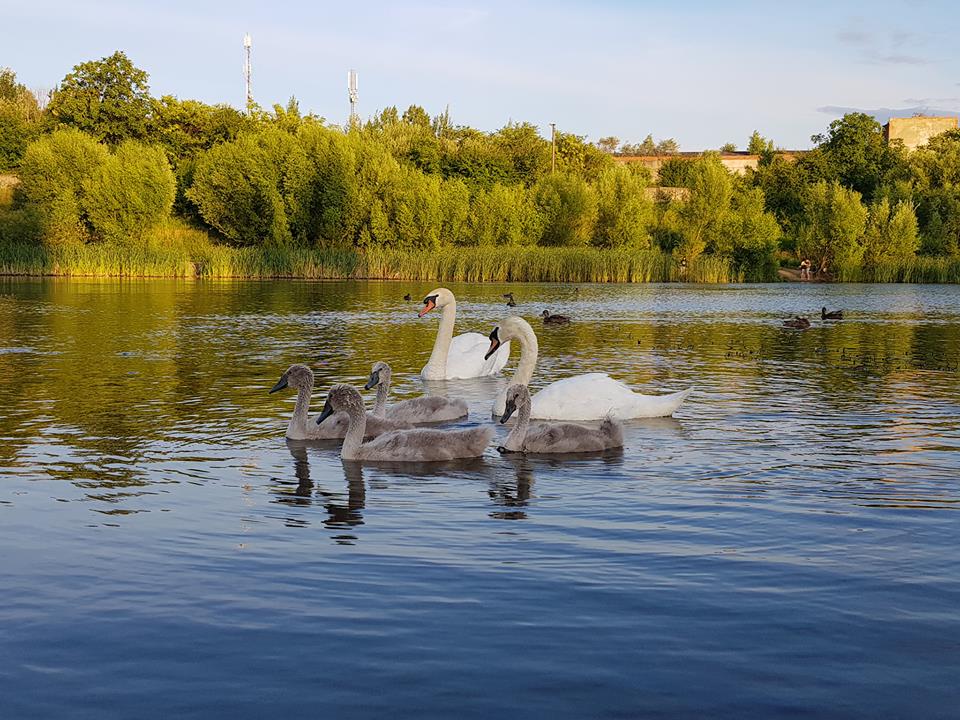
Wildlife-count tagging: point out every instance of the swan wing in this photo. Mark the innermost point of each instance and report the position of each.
(595, 395)
(428, 409)
(427, 445)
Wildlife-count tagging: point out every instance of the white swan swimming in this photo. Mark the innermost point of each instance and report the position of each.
(583, 397)
(415, 445)
(461, 356)
(416, 411)
(300, 426)
(554, 438)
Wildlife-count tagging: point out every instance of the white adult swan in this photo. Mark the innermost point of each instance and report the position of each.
(416, 445)
(416, 411)
(554, 438)
(461, 356)
(300, 427)
(582, 397)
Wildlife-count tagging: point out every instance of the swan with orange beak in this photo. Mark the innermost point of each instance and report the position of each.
(463, 356)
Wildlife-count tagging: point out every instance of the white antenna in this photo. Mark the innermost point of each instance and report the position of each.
(248, 70)
(352, 92)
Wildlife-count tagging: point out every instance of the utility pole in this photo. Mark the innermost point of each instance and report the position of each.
(353, 95)
(248, 71)
(553, 147)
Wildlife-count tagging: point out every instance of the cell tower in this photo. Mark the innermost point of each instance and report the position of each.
(352, 92)
(248, 70)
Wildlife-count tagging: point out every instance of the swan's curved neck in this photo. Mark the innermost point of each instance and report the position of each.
(356, 429)
(529, 350)
(441, 346)
(299, 423)
(383, 389)
(514, 441)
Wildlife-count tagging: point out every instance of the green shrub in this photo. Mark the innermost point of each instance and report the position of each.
(131, 192)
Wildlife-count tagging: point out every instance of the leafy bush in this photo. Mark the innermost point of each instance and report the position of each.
(131, 192)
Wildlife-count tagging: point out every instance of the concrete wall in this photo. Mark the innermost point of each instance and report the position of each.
(916, 131)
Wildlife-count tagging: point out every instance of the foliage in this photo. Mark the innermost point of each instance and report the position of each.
(255, 188)
(833, 231)
(758, 145)
(19, 115)
(728, 147)
(303, 197)
(855, 154)
(675, 172)
(891, 234)
(569, 209)
(624, 213)
(107, 98)
(129, 193)
(703, 217)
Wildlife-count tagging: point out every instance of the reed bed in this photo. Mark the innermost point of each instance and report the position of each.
(178, 253)
(912, 270)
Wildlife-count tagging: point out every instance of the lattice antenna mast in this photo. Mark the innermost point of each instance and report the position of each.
(352, 92)
(248, 71)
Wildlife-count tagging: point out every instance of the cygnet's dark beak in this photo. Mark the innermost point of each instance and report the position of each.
(373, 381)
(281, 384)
(327, 411)
(511, 406)
(494, 344)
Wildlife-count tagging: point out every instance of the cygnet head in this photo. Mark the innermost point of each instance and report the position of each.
(341, 397)
(517, 396)
(436, 299)
(379, 373)
(507, 329)
(297, 376)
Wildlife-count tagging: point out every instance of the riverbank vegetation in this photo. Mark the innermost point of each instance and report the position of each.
(113, 181)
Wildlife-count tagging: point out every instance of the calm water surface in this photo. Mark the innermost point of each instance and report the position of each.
(785, 546)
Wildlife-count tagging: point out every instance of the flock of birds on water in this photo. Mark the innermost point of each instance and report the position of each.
(395, 432)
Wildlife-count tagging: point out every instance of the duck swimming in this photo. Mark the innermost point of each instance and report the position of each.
(798, 323)
(554, 319)
(832, 315)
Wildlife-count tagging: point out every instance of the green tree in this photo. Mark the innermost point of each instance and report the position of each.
(667, 147)
(255, 189)
(703, 216)
(52, 174)
(758, 145)
(568, 206)
(608, 144)
(674, 172)
(505, 215)
(750, 236)
(129, 193)
(108, 99)
(19, 115)
(855, 153)
(835, 222)
(728, 147)
(624, 213)
(891, 234)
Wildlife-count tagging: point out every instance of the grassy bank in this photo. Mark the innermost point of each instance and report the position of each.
(467, 264)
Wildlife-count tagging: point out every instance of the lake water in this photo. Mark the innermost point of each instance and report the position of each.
(786, 546)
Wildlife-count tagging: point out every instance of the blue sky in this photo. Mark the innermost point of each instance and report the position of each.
(704, 73)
